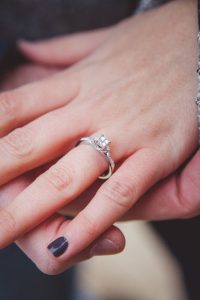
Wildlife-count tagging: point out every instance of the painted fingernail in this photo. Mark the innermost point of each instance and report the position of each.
(59, 246)
(105, 247)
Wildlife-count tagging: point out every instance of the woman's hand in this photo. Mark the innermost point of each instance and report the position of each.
(110, 242)
(123, 89)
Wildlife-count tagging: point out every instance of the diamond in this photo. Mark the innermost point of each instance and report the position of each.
(102, 142)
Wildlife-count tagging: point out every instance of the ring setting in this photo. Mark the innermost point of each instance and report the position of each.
(101, 144)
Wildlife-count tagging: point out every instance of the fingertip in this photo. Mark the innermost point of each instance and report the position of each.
(106, 247)
(24, 45)
(35, 51)
(111, 242)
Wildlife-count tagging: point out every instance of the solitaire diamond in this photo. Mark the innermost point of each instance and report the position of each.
(102, 142)
(101, 145)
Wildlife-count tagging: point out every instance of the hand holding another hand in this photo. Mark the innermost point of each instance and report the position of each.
(142, 103)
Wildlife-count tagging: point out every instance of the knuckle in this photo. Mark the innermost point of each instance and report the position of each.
(19, 142)
(7, 221)
(188, 208)
(59, 177)
(120, 194)
(8, 104)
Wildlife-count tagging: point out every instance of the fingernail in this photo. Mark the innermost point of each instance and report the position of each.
(104, 247)
(59, 246)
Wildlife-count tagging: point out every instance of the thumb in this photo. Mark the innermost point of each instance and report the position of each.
(34, 245)
(64, 50)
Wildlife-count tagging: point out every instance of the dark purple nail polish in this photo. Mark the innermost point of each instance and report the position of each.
(59, 246)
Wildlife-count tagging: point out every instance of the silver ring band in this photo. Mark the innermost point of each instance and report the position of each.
(101, 144)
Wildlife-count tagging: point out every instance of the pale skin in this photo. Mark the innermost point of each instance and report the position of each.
(117, 86)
